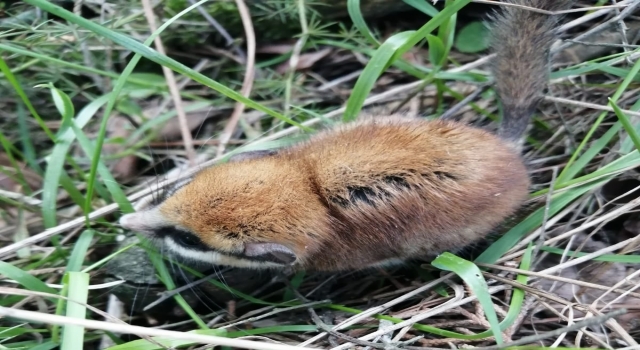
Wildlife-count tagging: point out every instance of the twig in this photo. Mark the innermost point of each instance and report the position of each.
(623, 14)
(320, 324)
(247, 83)
(472, 96)
(436, 310)
(588, 105)
(153, 332)
(556, 278)
(173, 88)
(381, 308)
(533, 9)
(574, 327)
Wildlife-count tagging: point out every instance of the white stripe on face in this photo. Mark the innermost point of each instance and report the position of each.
(213, 257)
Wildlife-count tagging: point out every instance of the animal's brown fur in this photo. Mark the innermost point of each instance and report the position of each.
(378, 190)
(431, 186)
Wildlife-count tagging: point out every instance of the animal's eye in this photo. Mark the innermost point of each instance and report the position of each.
(188, 241)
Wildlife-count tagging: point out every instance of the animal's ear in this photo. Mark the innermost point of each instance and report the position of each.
(272, 252)
(251, 155)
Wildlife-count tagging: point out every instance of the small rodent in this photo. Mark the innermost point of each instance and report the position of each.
(374, 192)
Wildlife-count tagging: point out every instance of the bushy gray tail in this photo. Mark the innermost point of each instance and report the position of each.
(521, 40)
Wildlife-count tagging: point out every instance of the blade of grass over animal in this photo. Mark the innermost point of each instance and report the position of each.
(154, 56)
(376, 66)
(387, 53)
(626, 123)
(165, 277)
(585, 159)
(117, 194)
(79, 251)
(106, 259)
(472, 276)
(534, 220)
(613, 258)
(353, 7)
(225, 287)
(423, 6)
(72, 335)
(25, 279)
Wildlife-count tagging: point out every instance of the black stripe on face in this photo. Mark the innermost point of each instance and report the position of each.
(182, 237)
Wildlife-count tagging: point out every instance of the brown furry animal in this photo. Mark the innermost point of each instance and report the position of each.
(370, 193)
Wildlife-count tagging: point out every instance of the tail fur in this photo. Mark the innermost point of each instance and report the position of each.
(521, 40)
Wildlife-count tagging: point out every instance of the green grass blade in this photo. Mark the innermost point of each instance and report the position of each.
(72, 335)
(376, 66)
(517, 298)
(79, 251)
(25, 279)
(388, 52)
(353, 6)
(585, 159)
(613, 258)
(472, 276)
(423, 6)
(165, 277)
(117, 194)
(626, 123)
(515, 234)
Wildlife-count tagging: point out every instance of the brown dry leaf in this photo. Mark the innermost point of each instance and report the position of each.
(277, 49)
(7, 181)
(171, 130)
(305, 61)
(123, 168)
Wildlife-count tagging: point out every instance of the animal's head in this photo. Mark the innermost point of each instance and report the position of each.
(255, 211)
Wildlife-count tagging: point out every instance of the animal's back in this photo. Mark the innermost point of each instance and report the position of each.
(400, 186)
